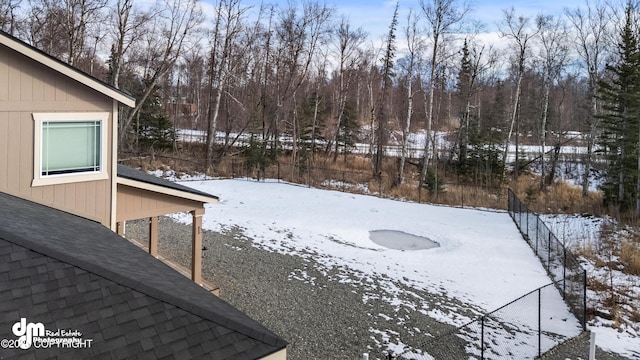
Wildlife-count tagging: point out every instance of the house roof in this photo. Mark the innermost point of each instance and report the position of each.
(66, 69)
(70, 273)
(146, 181)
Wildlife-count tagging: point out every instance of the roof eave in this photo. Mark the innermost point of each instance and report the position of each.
(165, 190)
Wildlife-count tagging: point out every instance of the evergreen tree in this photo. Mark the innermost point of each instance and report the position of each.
(311, 126)
(348, 131)
(154, 129)
(620, 122)
(464, 89)
(385, 94)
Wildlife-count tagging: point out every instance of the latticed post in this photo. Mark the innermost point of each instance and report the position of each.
(520, 214)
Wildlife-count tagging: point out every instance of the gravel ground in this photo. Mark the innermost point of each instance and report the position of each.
(578, 349)
(324, 313)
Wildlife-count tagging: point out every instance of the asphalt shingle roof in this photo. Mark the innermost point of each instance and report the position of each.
(70, 273)
(134, 174)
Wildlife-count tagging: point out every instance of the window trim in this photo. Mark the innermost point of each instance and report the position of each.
(42, 180)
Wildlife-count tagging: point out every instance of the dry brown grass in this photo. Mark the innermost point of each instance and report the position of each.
(559, 197)
(630, 256)
(474, 196)
(344, 163)
(353, 173)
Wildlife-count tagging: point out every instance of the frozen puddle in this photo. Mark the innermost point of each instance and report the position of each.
(400, 240)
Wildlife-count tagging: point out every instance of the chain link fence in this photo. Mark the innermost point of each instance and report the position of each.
(320, 176)
(313, 176)
(363, 182)
(522, 329)
(563, 267)
(532, 324)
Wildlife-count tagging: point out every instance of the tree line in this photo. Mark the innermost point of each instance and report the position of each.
(302, 78)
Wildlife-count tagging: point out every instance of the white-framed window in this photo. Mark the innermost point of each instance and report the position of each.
(69, 147)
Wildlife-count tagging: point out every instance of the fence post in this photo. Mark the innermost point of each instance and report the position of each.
(564, 272)
(482, 338)
(549, 250)
(567, 283)
(584, 299)
(539, 322)
(520, 215)
(309, 171)
(537, 241)
(592, 346)
(527, 217)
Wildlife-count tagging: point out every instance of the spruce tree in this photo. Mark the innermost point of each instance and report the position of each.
(381, 131)
(620, 94)
(464, 89)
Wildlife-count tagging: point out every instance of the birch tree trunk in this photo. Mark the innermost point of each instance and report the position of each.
(517, 29)
(442, 18)
(591, 25)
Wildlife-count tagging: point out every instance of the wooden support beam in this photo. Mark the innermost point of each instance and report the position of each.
(153, 236)
(196, 246)
(120, 228)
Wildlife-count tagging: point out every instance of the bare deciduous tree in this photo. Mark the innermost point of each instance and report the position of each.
(9, 15)
(520, 31)
(298, 37)
(164, 40)
(127, 26)
(554, 53)
(347, 45)
(73, 21)
(591, 30)
(230, 41)
(443, 18)
(415, 47)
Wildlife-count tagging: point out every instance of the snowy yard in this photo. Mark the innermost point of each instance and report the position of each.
(481, 259)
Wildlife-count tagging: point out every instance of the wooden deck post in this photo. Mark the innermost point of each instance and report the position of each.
(120, 228)
(196, 246)
(153, 236)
